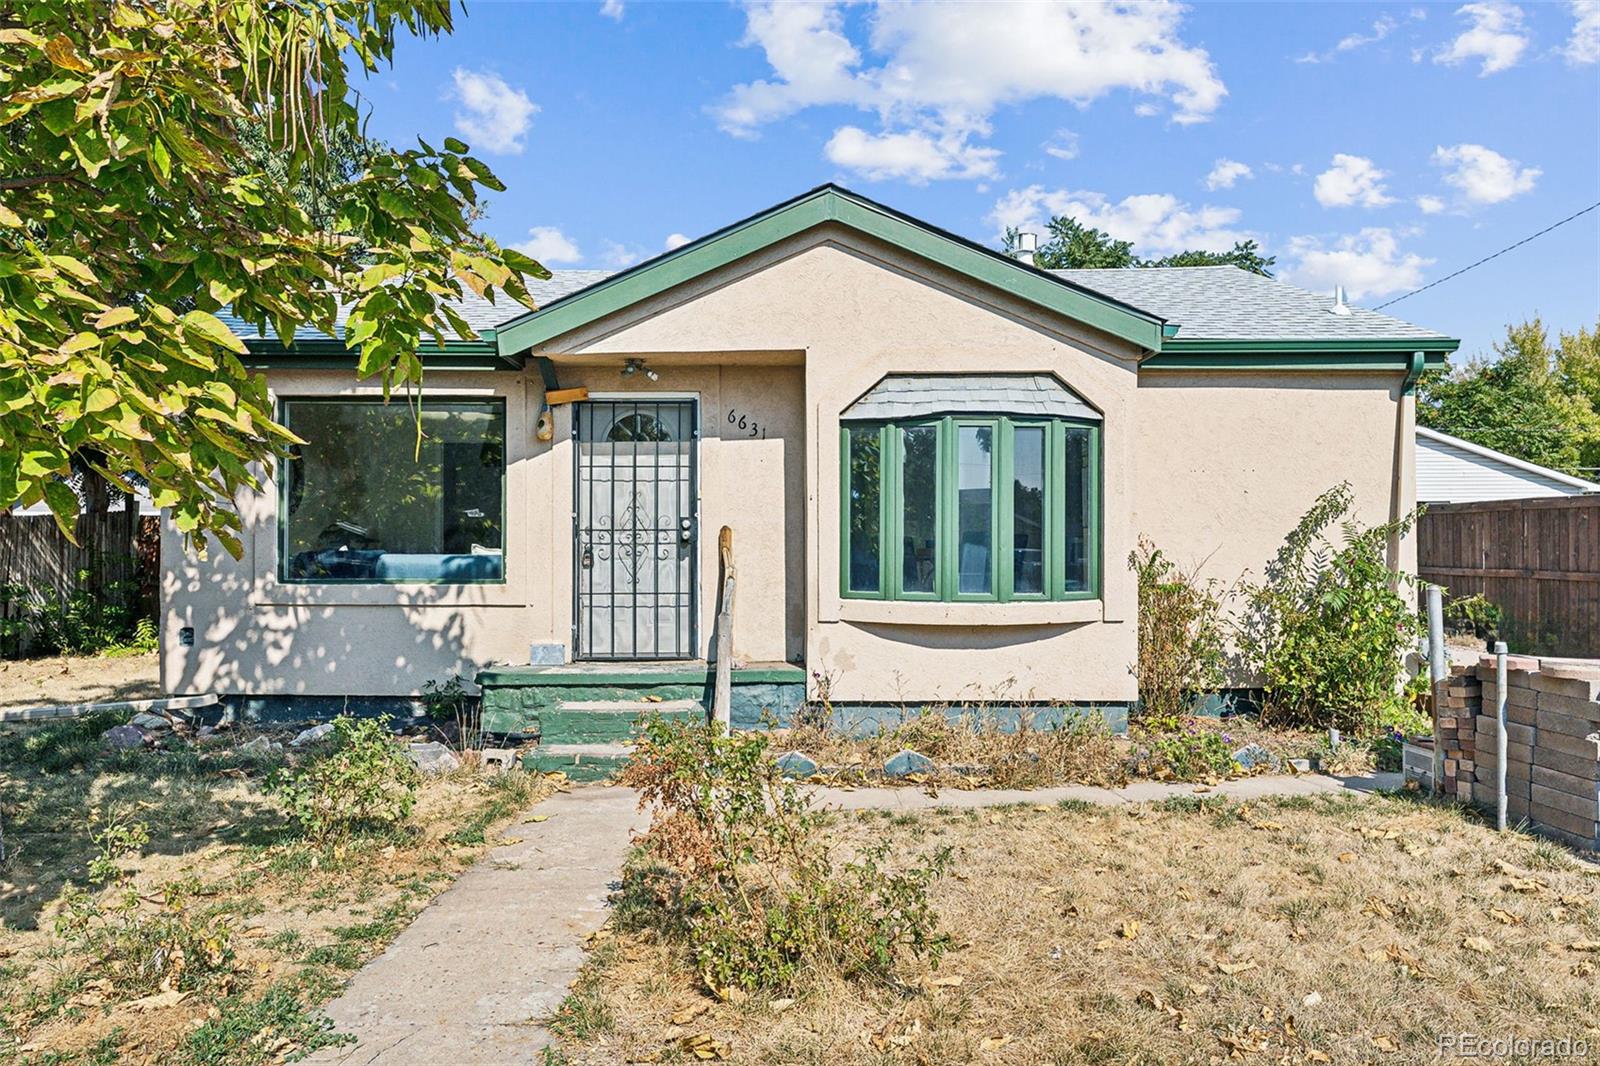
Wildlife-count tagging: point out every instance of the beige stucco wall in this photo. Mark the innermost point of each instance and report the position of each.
(1215, 467)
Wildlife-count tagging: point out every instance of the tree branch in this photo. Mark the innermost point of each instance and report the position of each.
(40, 179)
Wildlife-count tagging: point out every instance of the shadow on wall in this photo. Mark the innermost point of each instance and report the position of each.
(246, 648)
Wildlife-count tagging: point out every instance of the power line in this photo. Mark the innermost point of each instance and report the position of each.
(1486, 258)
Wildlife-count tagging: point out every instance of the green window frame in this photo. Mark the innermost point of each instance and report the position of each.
(874, 508)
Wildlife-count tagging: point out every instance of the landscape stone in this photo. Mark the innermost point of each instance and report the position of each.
(262, 745)
(150, 723)
(1253, 756)
(796, 764)
(433, 757)
(123, 737)
(312, 735)
(907, 762)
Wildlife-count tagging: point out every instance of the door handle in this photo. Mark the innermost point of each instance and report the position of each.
(586, 560)
(685, 530)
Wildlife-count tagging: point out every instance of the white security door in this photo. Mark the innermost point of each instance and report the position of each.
(635, 529)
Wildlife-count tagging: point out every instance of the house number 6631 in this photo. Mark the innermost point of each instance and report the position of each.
(746, 425)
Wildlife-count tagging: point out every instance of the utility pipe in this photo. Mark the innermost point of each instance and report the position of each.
(1438, 670)
(1500, 735)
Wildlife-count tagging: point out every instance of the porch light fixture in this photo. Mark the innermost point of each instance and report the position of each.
(636, 366)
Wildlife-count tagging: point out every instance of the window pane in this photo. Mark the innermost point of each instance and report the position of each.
(1079, 485)
(975, 506)
(1027, 510)
(361, 504)
(865, 491)
(919, 489)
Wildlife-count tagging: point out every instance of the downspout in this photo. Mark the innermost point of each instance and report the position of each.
(1413, 374)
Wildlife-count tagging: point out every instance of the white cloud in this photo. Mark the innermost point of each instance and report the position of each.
(617, 256)
(915, 155)
(1496, 37)
(612, 9)
(676, 240)
(1351, 181)
(1368, 263)
(1226, 173)
(1064, 145)
(1430, 205)
(1382, 26)
(1584, 44)
(1156, 223)
(549, 245)
(493, 116)
(934, 73)
(1482, 175)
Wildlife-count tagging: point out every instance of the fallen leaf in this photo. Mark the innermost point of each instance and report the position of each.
(1231, 968)
(690, 1013)
(506, 842)
(1504, 917)
(1130, 928)
(1383, 1043)
(1347, 856)
(1584, 945)
(952, 980)
(1377, 908)
(1479, 944)
(994, 1043)
(1311, 999)
(704, 1047)
(536, 818)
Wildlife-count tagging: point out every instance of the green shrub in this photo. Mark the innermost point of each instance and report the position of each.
(248, 1031)
(85, 622)
(1472, 615)
(365, 782)
(1182, 636)
(1193, 754)
(1328, 627)
(740, 868)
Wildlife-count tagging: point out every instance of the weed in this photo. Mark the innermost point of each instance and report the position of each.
(366, 782)
(1182, 635)
(1075, 806)
(249, 1031)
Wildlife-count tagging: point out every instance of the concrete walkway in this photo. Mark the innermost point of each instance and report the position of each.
(469, 980)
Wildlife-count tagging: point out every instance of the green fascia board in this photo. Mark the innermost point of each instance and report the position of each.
(829, 203)
(1407, 345)
(1383, 361)
(322, 353)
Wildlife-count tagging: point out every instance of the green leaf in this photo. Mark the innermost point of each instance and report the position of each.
(212, 329)
(117, 316)
(453, 145)
(64, 506)
(101, 399)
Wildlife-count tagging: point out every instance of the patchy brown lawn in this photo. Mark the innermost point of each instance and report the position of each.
(299, 918)
(77, 679)
(1339, 929)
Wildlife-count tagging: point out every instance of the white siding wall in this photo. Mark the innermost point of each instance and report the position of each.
(1449, 474)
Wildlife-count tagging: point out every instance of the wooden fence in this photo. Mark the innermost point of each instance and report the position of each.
(1538, 560)
(35, 555)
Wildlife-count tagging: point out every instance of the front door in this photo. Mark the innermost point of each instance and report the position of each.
(635, 529)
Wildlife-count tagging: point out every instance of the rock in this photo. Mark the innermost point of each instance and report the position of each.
(1254, 757)
(123, 738)
(907, 762)
(433, 757)
(261, 745)
(1301, 765)
(312, 735)
(500, 758)
(150, 723)
(206, 732)
(796, 764)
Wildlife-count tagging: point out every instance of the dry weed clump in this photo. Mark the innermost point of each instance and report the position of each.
(1330, 930)
(975, 746)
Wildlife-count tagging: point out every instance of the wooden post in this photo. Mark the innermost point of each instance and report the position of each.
(722, 698)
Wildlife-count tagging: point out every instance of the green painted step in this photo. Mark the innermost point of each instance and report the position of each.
(609, 721)
(580, 762)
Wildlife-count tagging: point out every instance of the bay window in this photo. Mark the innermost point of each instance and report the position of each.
(943, 503)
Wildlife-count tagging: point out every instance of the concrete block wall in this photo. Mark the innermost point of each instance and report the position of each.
(1552, 745)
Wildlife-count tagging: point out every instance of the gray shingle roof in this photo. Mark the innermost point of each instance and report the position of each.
(1226, 303)
(922, 395)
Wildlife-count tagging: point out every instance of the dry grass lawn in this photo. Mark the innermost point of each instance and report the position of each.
(300, 917)
(77, 679)
(1340, 929)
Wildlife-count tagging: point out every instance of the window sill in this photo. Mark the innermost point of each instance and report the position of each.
(1016, 613)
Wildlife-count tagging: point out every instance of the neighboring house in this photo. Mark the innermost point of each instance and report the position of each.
(1452, 470)
(934, 461)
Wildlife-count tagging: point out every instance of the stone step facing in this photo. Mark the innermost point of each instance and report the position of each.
(590, 739)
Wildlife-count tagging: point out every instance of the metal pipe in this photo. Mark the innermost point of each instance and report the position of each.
(1500, 735)
(1438, 670)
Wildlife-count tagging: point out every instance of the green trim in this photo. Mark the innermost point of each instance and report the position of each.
(281, 540)
(1419, 363)
(1002, 517)
(1406, 345)
(690, 674)
(1398, 362)
(321, 353)
(828, 203)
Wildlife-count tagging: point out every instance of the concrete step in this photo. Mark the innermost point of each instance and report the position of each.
(608, 721)
(580, 762)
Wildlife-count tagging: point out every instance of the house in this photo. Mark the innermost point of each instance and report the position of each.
(1452, 470)
(934, 461)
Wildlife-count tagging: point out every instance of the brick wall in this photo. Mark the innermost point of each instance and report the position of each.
(1458, 715)
(1552, 744)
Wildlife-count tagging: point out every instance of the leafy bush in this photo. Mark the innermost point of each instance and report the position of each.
(742, 872)
(1328, 627)
(448, 703)
(365, 782)
(1472, 615)
(87, 621)
(1191, 754)
(1182, 636)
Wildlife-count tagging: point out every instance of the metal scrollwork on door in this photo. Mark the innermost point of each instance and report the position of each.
(633, 538)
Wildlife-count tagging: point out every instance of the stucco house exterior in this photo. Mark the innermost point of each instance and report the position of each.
(934, 461)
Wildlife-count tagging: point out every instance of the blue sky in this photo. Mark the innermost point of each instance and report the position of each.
(1380, 146)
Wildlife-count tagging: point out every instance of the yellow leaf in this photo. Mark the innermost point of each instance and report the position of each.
(9, 217)
(1383, 1043)
(117, 316)
(1347, 856)
(1584, 945)
(1479, 944)
(1130, 928)
(1231, 968)
(690, 1013)
(536, 818)
(211, 328)
(1504, 917)
(60, 51)
(79, 342)
(952, 980)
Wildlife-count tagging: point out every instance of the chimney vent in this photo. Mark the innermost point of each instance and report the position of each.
(1027, 245)
(1339, 306)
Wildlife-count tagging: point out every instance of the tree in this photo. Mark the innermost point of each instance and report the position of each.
(136, 201)
(1072, 245)
(1530, 402)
